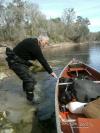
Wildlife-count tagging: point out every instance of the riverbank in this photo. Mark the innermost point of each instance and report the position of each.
(61, 45)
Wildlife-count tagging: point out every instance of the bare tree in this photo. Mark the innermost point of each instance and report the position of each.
(20, 19)
(68, 16)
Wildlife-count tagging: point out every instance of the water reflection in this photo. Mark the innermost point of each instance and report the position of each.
(87, 53)
(95, 56)
(58, 58)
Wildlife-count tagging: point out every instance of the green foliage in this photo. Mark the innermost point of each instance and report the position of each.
(68, 16)
(20, 19)
(75, 29)
(97, 36)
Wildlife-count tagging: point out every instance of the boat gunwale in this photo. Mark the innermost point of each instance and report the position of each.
(58, 124)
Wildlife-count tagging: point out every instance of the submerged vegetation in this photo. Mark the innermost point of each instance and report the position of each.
(20, 19)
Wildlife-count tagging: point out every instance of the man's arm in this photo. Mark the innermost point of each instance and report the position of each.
(37, 53)
(42, 60)
(45, 64)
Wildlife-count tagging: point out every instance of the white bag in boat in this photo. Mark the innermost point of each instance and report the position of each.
(75, 107)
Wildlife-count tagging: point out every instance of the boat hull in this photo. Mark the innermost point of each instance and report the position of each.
(66, 121)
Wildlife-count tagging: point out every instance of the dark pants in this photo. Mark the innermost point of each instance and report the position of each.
(25, 75)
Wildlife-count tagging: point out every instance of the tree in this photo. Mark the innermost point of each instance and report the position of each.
(68, 16)
(56, 20)
(20, 19)
(34, 19)
(68, 19)
(82, 26)
(97, 36)
(55, 30)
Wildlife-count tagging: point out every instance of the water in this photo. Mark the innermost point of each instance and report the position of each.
(58, 59)
(11, 93)
(88, 53)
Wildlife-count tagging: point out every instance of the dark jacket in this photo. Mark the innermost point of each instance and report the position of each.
(29, 49)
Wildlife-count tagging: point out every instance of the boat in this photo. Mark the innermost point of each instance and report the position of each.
(66, 121)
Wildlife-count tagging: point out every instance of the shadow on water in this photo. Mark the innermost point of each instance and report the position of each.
(45, 115)
(44, 126)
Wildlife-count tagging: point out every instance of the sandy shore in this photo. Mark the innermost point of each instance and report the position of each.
(61, 45)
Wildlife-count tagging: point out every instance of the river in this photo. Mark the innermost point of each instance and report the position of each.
(58, 57)
(13, 100)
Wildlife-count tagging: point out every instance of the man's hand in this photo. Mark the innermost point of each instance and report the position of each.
(53, 75)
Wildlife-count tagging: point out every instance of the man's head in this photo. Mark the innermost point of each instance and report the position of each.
(43, 40)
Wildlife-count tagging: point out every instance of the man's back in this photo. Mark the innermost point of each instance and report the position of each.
(27, 49)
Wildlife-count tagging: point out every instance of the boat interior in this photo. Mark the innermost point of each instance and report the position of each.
(77, 72)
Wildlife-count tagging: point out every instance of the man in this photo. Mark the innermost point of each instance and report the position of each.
(19, 61)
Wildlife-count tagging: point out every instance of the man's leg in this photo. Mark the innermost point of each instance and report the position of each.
(29, 87)
(24, 74)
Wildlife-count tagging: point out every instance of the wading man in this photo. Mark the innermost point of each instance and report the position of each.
(19, 61)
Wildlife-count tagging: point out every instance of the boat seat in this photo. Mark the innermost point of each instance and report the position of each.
(68, 83)
(96, 81)
(92, 109)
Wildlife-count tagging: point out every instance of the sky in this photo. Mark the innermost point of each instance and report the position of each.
(84, 8)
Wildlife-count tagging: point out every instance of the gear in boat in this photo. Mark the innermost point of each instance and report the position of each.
(83, 91)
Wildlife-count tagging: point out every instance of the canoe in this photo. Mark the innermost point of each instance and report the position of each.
(66, 121)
